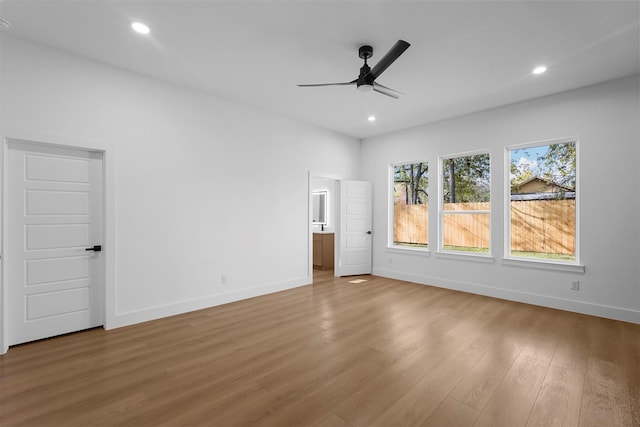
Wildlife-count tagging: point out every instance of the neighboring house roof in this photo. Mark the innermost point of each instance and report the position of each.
(538, 188)
(542, 196)
(537, 184)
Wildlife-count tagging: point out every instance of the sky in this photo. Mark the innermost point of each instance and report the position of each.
(528, 158)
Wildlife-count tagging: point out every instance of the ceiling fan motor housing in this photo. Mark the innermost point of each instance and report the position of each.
(365, 52)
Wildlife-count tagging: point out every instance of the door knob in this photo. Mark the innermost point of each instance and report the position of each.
(96, 248)
(369, 232)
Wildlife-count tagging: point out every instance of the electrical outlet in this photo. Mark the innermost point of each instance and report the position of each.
(575, 285)
(223, 279)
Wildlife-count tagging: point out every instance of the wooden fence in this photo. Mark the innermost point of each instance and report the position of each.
(546, 226)
(469, 230)
(410, 224)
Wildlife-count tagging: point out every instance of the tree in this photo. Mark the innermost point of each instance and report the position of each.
(467, 179)
(559, 164)
(414, 180)
(520, 173)
(555, 163)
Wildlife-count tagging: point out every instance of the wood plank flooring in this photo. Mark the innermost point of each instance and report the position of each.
(379, 353)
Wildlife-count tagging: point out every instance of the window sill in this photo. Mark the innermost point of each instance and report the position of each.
(467, 257)
(409, 251)
(546, 265)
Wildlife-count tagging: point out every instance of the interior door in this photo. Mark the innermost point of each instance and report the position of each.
(355, 228)
(54, 229)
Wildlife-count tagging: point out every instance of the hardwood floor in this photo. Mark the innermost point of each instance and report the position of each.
(379, 353)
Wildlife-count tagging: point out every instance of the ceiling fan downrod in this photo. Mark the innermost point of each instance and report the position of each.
(365, 83)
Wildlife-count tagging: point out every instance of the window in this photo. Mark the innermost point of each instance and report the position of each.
(542, 203)
(465, 209)
(410, 211)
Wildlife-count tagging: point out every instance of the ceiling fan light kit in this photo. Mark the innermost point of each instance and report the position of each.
(366, 79)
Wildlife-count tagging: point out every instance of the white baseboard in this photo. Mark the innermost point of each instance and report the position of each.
(616, 313)
(138, 316)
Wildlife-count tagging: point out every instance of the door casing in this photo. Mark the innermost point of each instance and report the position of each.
(338, 231)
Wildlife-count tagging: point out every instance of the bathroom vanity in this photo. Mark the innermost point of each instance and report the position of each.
(323, 251)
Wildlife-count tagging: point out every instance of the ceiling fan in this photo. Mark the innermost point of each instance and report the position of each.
(366, 80)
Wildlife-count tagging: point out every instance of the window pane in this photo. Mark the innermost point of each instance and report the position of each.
(466, 192)
(543, 201)
(466, 179)
(410, 209)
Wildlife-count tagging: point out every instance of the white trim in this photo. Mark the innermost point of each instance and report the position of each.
(160, 311)
(465, 154)
(310, 226)
(408, 250)
(4, 294)
(506, 186)
(108, 209)
(600, 310)
(531, 144)
(578, 191)
(479, 211)
(464, 256)
(440, 204)
(543, 264)
(391, 205)
(337, 256)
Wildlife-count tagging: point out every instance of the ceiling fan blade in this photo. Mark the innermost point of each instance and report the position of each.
(331, 84)
(384, 92)
(388, 59)
(386, 89)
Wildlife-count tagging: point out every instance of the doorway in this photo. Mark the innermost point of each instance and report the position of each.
(323, 224)
(341, 236)
(55, 273)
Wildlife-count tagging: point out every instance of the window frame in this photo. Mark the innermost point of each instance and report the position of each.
(391, 246)
(560, 265)
(444, 253)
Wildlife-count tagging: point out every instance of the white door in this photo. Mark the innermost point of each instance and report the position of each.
(54, 272)
(355, 228)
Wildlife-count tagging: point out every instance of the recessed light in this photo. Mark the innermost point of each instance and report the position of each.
(140, 28)
(371, 118)
(539, 69)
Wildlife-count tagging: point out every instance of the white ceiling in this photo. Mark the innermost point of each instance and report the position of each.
(465, 56)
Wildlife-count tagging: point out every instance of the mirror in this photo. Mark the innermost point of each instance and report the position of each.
(319, 208)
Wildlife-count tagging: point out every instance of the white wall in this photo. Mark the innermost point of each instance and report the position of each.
(606, 119)
(202, 187)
